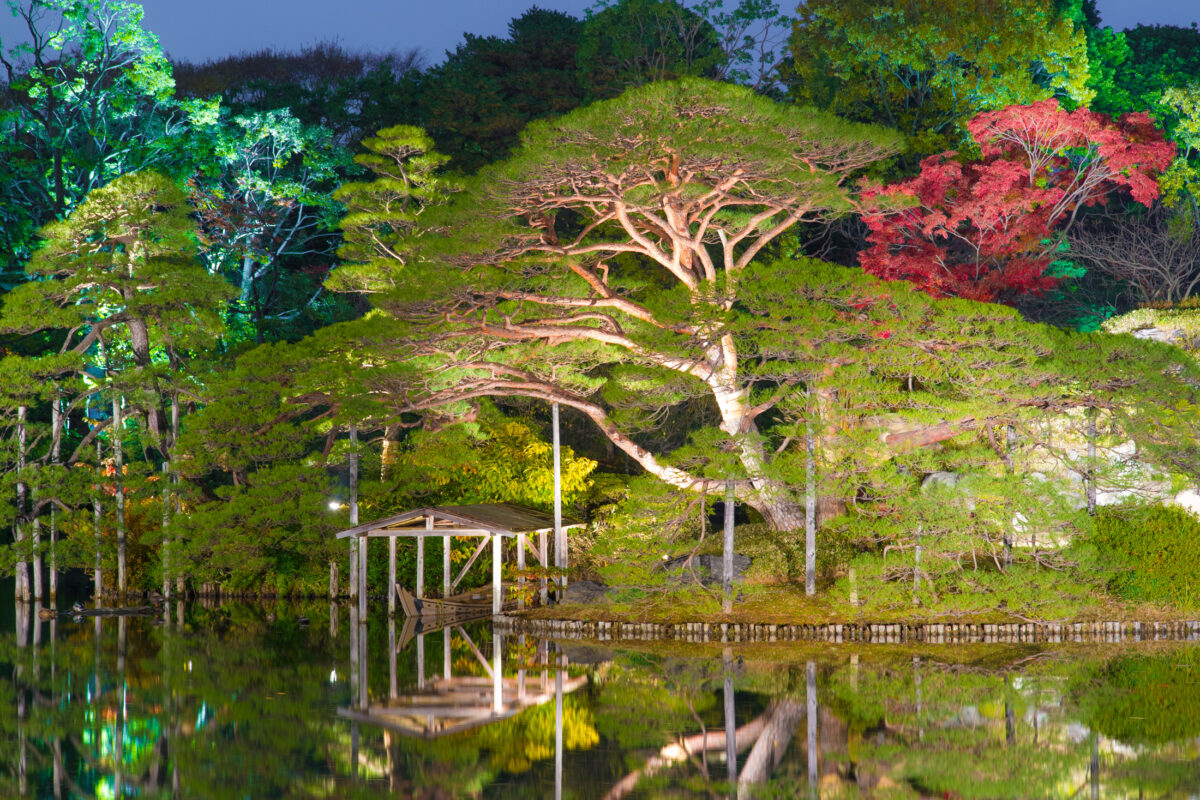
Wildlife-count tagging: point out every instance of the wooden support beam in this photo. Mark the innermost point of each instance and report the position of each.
(362, 580)
(420, 661)
(470, 561)
(478, 655)
(446, 652)
(521, 570)
(497, 589)
(497, 674)
(542, 594)
(421, 559)
(446, 547)
(392, 577)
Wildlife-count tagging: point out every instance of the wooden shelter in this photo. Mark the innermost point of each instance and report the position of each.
(490, 523)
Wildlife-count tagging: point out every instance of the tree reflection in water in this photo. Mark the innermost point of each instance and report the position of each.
(241, 701)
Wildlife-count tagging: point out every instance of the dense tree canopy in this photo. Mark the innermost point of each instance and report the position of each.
(924, 67)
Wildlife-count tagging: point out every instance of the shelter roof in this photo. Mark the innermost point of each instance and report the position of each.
(505, 519)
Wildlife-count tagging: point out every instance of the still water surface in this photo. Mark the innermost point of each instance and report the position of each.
(241, 701)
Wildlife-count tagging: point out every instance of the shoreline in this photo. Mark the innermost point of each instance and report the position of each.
(1114, 632)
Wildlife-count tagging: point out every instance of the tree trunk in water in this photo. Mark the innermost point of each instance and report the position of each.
(118, 466)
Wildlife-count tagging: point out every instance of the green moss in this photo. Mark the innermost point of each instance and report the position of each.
(1152, 554)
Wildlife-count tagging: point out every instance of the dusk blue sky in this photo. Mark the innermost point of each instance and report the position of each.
(197, 30)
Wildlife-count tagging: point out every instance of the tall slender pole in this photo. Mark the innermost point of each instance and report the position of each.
(179, 581)
(560, 542)
(362, 580)
(813, 746)
(497, 590)
(353, 475)
(1091, 467)
(810, 512)
(558, 726)
(166, 523)
(730, 716)
(354, 546)
(35, 540)
(421, 558)
(446, 542)
(392, 577)
(118, 467)
(727, 552)
(97, 571)
(55, 456)
(23, 587)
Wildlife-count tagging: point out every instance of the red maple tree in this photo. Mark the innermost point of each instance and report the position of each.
(988, 229)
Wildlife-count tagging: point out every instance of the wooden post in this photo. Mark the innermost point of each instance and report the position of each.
(393, 683)
(727, 552)
(362, 579)
(118, 465)
(542, 593)
(560, 542)
(446, 651)
(333, 579)
(446, 565)
(392, 577)
(497, 674)
(421, 557)
(420, 660)
(521, 571)
(497, 590)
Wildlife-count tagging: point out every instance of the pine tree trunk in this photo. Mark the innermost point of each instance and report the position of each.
(23, 586)
(118, 466)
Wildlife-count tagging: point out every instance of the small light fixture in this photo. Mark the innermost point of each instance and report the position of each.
(334, 505)
(333, 675)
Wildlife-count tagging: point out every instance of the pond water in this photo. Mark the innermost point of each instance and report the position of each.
(243, 701)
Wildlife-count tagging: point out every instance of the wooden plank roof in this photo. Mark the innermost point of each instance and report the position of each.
(505, 519)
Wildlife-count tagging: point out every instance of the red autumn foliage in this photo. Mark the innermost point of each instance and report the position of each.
(987, 229)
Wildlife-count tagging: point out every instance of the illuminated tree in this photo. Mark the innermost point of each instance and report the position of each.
(88, 98)
(990, 228)
(615, 240)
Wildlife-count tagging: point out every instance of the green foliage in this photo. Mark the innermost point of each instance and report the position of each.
(272, 535)
(1153, 553)
(493, 459)
(924, 67)
(381, 215)
(477, 101)
(1141, 699)
(90, 90)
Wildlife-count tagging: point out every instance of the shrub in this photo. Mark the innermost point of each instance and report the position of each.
(1153, 552)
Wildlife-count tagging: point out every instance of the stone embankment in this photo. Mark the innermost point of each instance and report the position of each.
(874, 633)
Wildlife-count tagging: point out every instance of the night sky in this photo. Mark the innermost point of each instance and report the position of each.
(197, 31)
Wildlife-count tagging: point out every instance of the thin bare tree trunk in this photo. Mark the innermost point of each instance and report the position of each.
(23, 587)
(118, 467)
